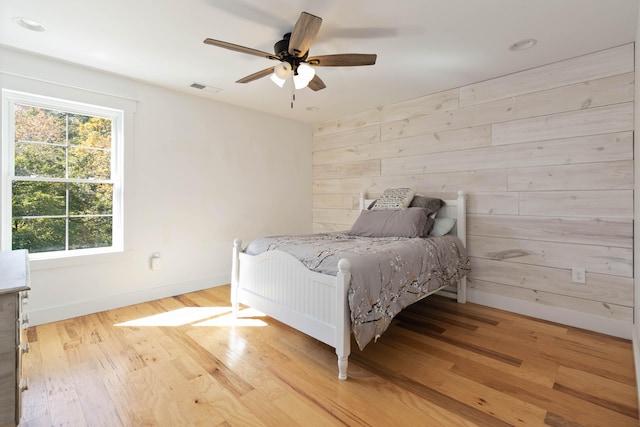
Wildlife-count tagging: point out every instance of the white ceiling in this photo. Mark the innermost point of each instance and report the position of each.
(423, 46)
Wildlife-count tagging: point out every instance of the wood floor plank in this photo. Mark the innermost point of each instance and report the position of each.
(37, 391)
(94, 397)
(570, 406)
(596, 389)
(114, 359)
(566, 354)
(62, 396)
(530, 371)
(350, 404)
(276, 413)
(186, 361)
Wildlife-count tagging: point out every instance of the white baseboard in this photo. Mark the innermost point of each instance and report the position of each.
(616, 328)
(81, 308)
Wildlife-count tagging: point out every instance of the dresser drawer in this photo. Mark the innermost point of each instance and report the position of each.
(14, 280)
(9, 356)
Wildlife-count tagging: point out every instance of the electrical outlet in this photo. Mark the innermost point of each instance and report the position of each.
(156, 262)
(578, 275)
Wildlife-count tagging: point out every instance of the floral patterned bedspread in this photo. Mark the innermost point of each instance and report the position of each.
(387, 274)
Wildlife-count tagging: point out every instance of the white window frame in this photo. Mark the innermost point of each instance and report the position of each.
(7, 155)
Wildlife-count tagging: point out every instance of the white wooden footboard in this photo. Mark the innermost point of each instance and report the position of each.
(278, 285)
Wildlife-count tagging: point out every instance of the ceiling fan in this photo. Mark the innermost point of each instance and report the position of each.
(292, 52)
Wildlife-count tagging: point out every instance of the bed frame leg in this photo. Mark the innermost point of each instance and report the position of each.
(235, 275)
(462, 290)
(461, 225)
(343, 327)
(343, 363)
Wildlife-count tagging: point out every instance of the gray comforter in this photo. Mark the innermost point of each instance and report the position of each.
(387, 274)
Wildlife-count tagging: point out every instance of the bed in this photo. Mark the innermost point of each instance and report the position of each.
(276, 281)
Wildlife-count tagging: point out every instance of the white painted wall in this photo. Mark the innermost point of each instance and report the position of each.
(198, 174)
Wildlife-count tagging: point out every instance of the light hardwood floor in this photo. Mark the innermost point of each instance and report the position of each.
(183, 361)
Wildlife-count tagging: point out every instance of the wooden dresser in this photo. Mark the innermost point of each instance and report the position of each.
(14, 284)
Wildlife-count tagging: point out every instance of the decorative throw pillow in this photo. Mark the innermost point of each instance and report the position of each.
(442, 226)
(394, 198)
(390, 223)
(431, 203)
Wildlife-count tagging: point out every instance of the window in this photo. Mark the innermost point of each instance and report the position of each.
(61, 176)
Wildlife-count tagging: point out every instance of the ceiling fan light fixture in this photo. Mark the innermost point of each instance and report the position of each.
(300, 82)
(282, 70)
(303, 76)
(281, 73)
(306, 71)
(277, 80)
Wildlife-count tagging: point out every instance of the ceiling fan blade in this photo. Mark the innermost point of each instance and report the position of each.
(256, 76)
(304, 33)
(343, 60)
(241, 49)
(316, 83)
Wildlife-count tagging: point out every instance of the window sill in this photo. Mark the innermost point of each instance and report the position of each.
(62, 260)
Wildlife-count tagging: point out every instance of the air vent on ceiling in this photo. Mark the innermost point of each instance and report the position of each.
(201, 86)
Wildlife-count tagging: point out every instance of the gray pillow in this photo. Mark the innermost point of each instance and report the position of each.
(430, 203)
(390, 223)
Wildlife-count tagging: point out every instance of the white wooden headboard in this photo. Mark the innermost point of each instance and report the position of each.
(453, 208)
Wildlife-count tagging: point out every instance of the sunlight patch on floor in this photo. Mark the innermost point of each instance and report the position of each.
(246, 317)
(200, 316)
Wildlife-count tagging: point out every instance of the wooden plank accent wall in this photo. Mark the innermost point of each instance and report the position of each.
(546, 157)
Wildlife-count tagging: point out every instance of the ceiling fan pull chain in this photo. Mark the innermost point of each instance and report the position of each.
(293, 93)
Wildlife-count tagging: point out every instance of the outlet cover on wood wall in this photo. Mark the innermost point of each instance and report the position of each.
(578, 275)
